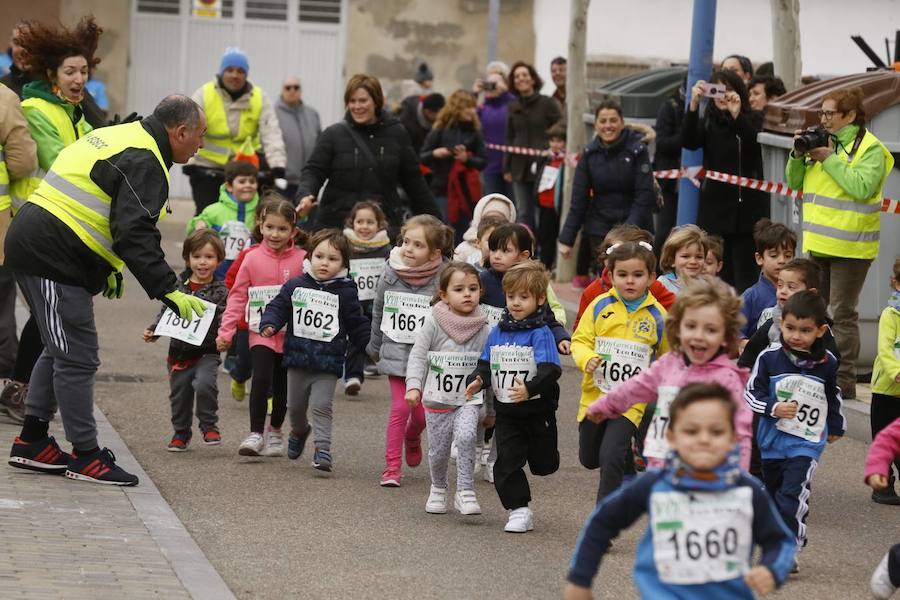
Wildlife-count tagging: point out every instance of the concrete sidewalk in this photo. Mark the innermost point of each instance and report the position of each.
(71, 539)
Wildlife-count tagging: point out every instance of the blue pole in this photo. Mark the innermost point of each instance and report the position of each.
(703, 35)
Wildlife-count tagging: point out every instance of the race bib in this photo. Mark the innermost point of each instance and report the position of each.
(192, 332)
(812, 407)
(656, 444)
(258, 298)
(492, 313)
(403, 314)
(366, 272)
(509, 363)
(236, 237)
(548, 178)
(764, 316)
(702, 537)
(475, 259)
(315, 314)
(446, 379)
(620, 361)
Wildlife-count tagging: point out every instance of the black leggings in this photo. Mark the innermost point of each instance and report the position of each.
(30, 348)
(267, 374)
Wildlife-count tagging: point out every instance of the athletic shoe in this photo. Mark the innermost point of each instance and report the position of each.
(238, 390)
(454, 451)
(520, 520)
(796, 568)
(371, 370)
(180, 441)
(881, 585)
(489, 472)
(390, 478)
(99, 467)
(352, 386)
(485, 454)
(466, 503)
(413, 450)
(252, 445)
(12, 401)
(296, 442)
(437, 501)
(274, 443)
(579, 282)
(322, 460)
(211, 436)
(43, 456)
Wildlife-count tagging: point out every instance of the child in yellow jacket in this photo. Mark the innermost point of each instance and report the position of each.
(619, 335)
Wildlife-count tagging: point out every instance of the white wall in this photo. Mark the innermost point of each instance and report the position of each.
(662, 29)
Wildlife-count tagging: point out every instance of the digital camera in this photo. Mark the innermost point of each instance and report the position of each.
(814, 137)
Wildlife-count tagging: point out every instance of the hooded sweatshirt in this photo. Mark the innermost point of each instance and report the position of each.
(220, 216)
(723, 504)
(469, 250)
(670, 373)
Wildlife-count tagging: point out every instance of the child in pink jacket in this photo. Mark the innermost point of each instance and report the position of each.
(884, 450)
(703, 328)
(259, 279)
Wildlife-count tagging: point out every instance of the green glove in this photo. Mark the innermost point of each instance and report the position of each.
(115, 285)
(186, 305)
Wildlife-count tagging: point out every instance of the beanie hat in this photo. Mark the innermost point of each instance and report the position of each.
(433, 102)
(234, 57)
(423, 73)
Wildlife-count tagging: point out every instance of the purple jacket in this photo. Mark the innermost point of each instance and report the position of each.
(493, 127)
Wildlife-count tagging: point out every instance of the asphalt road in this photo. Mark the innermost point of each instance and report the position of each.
(276, 528)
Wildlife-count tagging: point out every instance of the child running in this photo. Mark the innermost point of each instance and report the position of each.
(520, 363)
(402, 302)
(705, 515)
(793, 387)
(619, 335)
(261, 275)
(703, 329)
(193, 365)
(369, 249)
(446, 350)
(323, 309)
(884, 450)
(775, 247)
(683, 257)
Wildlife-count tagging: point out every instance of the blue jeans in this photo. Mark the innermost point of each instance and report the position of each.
(493, 183)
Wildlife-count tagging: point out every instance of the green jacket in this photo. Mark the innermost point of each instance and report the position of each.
(43, 132)
(226, 209)
(887, 360)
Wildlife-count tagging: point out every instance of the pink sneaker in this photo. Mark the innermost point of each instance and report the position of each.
(390, 477)
(413, 452)
(580, 282)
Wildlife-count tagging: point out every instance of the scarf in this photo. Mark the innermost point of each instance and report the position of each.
(308, 270)
(380, 240)
(894, 302)
(724, 476)
(806, 360)
(415, 276)
(460, 328)
(539, 318)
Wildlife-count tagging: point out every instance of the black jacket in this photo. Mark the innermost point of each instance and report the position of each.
(319, 356)
(40, 244)
(668, 139)
(527, 122)
(462, 133)
(730, 146)
(613, 184)
(16, 80)
(352, 177)
(409, 117)
(214, 292)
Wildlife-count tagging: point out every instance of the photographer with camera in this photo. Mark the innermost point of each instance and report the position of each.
(841, 168)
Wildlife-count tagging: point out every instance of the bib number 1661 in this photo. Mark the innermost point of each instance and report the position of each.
(405, 322)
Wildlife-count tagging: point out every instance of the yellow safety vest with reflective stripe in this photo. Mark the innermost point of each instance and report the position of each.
(218, 145)
(70, 194)
(57, 115)
(834, 224)
(5, 199)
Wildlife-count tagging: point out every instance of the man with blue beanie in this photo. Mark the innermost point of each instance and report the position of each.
(239, 115)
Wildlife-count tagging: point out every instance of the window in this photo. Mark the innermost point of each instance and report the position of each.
(269, 10)
(320, 11)
(164, 7)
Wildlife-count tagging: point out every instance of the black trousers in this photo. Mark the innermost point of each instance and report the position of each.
(606, 446)
(755, 457)
(885, 410)
(665, 219)
(548, 229)
(243, 366)
(531, 439)
(267, 374)
(30, 348)
(205, 189)
(739, 266)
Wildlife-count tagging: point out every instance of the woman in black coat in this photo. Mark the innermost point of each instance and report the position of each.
(727, 134)
(371, 172)
(668, 156)
(613, 183)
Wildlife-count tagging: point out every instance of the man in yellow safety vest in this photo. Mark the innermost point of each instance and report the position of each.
(94, 213)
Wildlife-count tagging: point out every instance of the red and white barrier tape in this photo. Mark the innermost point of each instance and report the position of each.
(888, 205)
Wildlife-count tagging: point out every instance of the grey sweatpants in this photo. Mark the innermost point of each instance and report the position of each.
(64, 372)
(199, 379)
(460, 424)
(305, 388)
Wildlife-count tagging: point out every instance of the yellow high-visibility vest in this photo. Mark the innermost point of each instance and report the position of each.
(68, 192)
(218, 145)
(834, 224)
(5, 200)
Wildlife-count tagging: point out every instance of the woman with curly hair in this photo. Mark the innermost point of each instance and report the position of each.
(454, 151)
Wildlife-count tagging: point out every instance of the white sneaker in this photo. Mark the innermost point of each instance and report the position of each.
(486, 451)
(352, 386)
(437, 501)
(489, 472)
(881, 585)
(466, 503)
(274, 443)
(252, 445)
(454, 452)
(520, 520)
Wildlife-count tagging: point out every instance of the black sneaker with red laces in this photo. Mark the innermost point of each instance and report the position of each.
(180, 441)
(99, 467)
(44, 456)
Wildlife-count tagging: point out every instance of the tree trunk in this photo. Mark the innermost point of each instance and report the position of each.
(786, 41)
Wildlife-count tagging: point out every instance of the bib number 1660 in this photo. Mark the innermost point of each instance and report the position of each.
(697, 546)
(405, 322)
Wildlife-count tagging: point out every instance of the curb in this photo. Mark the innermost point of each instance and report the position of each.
(199, 578)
